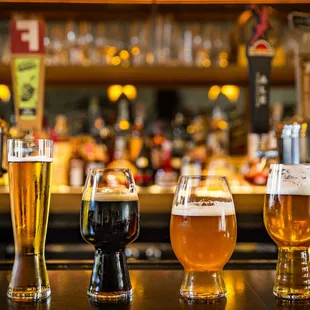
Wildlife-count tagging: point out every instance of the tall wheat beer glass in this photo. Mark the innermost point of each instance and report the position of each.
(203, 234)
(29, 180)
(287, 220)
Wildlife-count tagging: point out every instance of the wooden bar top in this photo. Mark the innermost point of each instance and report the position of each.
(156, 289)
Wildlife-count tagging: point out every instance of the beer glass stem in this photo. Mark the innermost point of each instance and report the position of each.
(110, 276)
(293, 275)
(203, 285)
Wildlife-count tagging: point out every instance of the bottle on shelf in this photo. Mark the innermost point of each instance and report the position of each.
(144, 175)
(137, 134)
(61, 151)
(219, 162)
(178, 143)
(121, 157)
(76, 167)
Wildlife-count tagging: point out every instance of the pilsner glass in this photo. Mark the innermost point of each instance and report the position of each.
(29, 180)
(110, 221)
(287, 220)
(203, 234)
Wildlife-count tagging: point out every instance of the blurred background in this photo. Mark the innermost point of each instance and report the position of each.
(161, 89)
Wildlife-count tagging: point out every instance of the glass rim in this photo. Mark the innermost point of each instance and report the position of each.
(290, 165)
(95, 170)
(28, 140)
(208, 176)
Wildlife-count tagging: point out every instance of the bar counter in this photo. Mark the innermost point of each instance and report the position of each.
(156, 289)
(154, 199)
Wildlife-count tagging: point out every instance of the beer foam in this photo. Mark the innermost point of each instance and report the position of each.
(110, 194)
(15, 159)
(207, 208)
(289, 180)
(116, 197)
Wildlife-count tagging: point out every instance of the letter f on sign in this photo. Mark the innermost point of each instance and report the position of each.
(30, 33)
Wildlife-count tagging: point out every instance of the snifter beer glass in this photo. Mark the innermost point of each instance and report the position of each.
(110, 221)
(203, 234)
(29, 180)
(287, 220)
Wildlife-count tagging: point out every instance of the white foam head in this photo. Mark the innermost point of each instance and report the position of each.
(289, 180)
(110, 194)
(15, 159)
(207, 208)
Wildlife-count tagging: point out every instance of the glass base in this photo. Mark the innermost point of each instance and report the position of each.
(203, 285)
(291, 295)
(110, 296)
(292, 281)
(29, 294)
(201, 296)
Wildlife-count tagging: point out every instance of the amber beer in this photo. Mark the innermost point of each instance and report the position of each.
(29, 179)
(203, 237)
(287, 220)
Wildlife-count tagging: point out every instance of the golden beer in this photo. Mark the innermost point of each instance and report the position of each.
(203, 237)
(203, 243)
(287, 221)
(29, 181)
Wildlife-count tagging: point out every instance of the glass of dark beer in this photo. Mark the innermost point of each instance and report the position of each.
(109, 221)
(29, 179)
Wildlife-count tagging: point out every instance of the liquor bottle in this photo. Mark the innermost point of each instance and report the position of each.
(94, 157)
(61, 151)
(137, 134)
(219, 163)
(76, 168)
(121, 158)
(144, 176)
(179, 143)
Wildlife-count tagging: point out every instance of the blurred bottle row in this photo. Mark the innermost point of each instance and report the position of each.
(158, 152)
(162, 40)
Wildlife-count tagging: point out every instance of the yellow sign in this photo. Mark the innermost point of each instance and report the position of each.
(27, 86)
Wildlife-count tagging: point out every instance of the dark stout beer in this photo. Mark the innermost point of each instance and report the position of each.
(110, 222)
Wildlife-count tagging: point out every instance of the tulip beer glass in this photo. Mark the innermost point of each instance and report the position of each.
(110, 221)
(203, 234)
(287, 220)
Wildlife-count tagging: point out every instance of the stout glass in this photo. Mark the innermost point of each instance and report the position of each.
(203, 234)
(287, 220)
(29, 180)
(110, 221)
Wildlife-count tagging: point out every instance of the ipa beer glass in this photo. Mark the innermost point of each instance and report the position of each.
(29, 164)
(110, 221)
(287, 220)
(203, 234)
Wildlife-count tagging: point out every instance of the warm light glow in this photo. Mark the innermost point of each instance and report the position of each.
(135, 51)
(130, 91)
(221, 124)
(214, 92)
(231, 92)
(114, 92)
(116, 60)
(223, 63)
(123, 54)
(150, 58)
(206, 63)
(123, 125)
(5, 94)
(111, 50)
